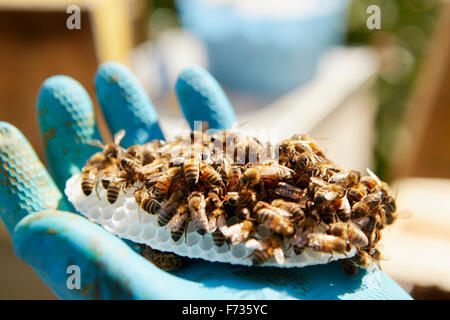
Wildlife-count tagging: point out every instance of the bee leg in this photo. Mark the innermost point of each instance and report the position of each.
(96, 191)
(331, 257)
(185, 230)
(139, 214)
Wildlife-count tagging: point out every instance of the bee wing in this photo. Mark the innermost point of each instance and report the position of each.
(279, 255)
(113, 179)
(330, 195)
(96, 143)
(177, 221)
(222, 224)
(373, 175)
(338, 176)
(212, 224)
(155, 177)
(149, 168)
(282, 212)
(254, 244)
(318, 181)
(119, 136)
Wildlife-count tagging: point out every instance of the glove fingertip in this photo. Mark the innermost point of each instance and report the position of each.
(67, 121)
(202, 99)
(25, 185)
(126, 105)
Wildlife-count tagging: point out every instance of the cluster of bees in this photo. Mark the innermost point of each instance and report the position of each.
(242, 190)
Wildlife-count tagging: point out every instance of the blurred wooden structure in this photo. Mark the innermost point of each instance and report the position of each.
(35, 44)
(424, 148)
(417, 245)
(418, 248)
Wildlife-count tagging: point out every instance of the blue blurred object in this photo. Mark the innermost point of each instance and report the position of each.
(262, 54)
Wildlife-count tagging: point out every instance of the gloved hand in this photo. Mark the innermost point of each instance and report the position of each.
(50, 239)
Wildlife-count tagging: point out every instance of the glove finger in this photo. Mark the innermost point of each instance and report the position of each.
(25, 184)
(66, 121)
(53, 241)
(125, 104)
(202, 99)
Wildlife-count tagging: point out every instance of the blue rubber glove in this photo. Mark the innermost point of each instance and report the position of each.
(50, 239)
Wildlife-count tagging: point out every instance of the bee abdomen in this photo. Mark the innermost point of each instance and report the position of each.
(192, 173)
(150, 206)
(112, 194)
(176, 235)
(218, 238)
(87, 187)
(343, 216)
(260, 257)
(165, 217)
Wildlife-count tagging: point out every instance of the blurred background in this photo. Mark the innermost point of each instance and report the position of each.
(373, 97)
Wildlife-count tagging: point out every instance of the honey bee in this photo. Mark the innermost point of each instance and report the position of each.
(168, 209)
(295, 209)
(367, 204)
(217, 221)
(343, 208)
(234, 177)
(274, 218)
(390, 209)
(210, 175)
(90, 171)
(113, 149)
(350, 232)
(367, 224)
(192, 171)
(304, 161)
(213, 201)
(324, 192)
(146, 172)
(165, 181)
(239, 232)
(346, 179)
(266, 249)
(245, 197)
(291, 192)
(197, 208)
(88, 179)
(109, 169)
(349, 266)
(357, 192)
(327, 213)
(300, 239)
(363, 259)
(130, 166)
(146, 201)
(371, 181)
(144, 153)
(265, 173)
(178, 223)
(115, 186)
(328, 244)
(163, 260)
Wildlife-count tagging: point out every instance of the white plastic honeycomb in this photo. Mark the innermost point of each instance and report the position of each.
(123, 219)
